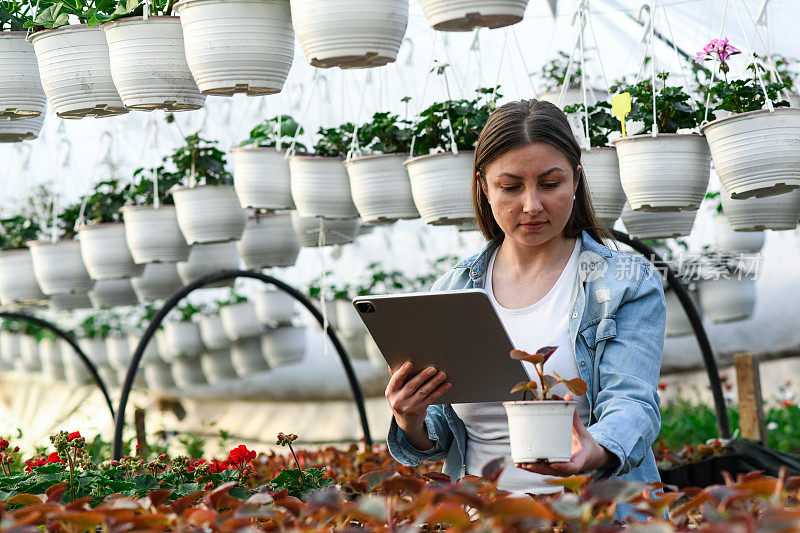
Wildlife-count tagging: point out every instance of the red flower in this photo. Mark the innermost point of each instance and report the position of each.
(74, 435)
(218, 466)
(240, 456)
(209, 485)
(54, 458)
(787, 403)
(3, 444)
(663, 385)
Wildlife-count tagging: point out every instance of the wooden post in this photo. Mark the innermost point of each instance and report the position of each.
(751, 404)
(141, 435)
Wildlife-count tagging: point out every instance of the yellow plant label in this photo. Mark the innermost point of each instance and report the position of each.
(621, 106)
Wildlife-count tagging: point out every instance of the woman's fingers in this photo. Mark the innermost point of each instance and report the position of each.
(398, 378)
(414, 384)
(437, 392)
(428, 387)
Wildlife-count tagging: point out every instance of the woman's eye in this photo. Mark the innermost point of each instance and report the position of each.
(552, 185)
(508, 187)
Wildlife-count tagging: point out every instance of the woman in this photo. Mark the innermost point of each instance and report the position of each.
(552, 282)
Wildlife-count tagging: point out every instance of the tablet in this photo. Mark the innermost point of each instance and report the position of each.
(457, 332)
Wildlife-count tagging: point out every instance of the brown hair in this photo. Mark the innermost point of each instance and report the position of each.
(522, 123)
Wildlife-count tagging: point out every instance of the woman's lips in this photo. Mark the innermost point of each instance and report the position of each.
(534, 225)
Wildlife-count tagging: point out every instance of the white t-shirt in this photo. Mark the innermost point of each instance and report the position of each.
(545, 323)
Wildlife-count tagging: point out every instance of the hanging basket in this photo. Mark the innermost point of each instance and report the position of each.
(348, 319)
(274, 307)
(307, 230)
(119, 352)
(733, 242)
(284, 345)
(654, 225)
(29, 360)
(217, 366)
(207, 259)
(269, 241)
(187, 373)
(261, 178)
(380, 188)
(153, 234)
(148, 64)
(367, 33)
(17, 281)
(756, 153)
(466, 15)
(601, 167)
(678, 323)
(150, 351)
(728, 300)
(212, 333)
(70, 301)
(159, 281)
(247, 357)
(669, 172)
(181, 339)
(76, 73)
(10, 346)
(209, 213)
(237, 46)
(777, 212)
(108, 293)
(354, 345)
(26, 129)
(52, 359)
(158, 376)
(441, 185)
(59, 267)
(21, 93)
(239, 321)
(105, 252)
(321, 188)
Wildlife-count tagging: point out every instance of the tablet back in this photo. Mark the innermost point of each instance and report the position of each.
(457, 332)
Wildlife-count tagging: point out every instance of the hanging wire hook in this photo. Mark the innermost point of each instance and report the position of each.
(645, 24)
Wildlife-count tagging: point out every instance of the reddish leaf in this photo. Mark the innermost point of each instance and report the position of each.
(291, 504)
(546, 352)
(181, 504)
(157, 497)
(520, 355)
(764, 487)
(79, 504)
(693, 503)
(56, 492)
(438, 477)
(83, 519)
(200, 516)
(572, 483)
(218, 498)
(525, 385)
(376, 477)
(150, 521)
(491, 471)
(448, 513)
(24, 499)
(399, 485)
(576, 386)
(527, 507)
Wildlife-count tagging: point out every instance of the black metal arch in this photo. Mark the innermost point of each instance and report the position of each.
(710, 363)
(71, 341)
(224, 275)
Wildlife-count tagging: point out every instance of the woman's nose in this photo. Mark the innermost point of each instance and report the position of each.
(531, 202)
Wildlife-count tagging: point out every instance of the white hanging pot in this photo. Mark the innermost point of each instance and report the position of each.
(730, 241)
(677, 322)
(728, 300)
(209, 213)
(238, 46)
(466, 15)
(119, 352)
(150, 351)
(148, 64)
(158, 376)
(380, 188)
(212, 333)
(108, 293)
(217, 366)
(307, 230)
(75, 371)
(207, 259)
(776, 212)
(330, 313)
(261, 178)
(187, 373)
(25, 129)
(21, 93)
(347, 317)
(95, 349)
(10, 350)
(655, 225)
(29, 355)
(601, 167)
(540, 430)
(181, 339)
(59, 267)
(153, 234)
(70, 301)
(269, 241)
(76, 73)
(159, 281)
(274, 307)
(284, 345)
(17, 282)
(51, 358)
(247, 357)
(442, 187)
(360, 34)
(756, 153)
(354, 344)
(105, 252)
(669, 172)
(240, 321)
(321, 188)
(374, 354)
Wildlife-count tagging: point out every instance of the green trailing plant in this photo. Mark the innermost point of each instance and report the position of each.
(745, 94)
(104, 201)
(385, 134)
(541, 390)
(187, 310)
(232, 298)
(202, 162)
(716, 198)
(334, 142)
(602, 123)
(13, 15)
(100, 325)
(674, 109)
(266, 134)
(131, 8)
(17, 231)
(554, 72)
(143, 190)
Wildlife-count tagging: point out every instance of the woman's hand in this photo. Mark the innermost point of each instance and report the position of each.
(409, 400)
(587, 455)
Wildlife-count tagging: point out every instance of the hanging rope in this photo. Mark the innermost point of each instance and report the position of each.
(765, 42)
(582, 21)
(314, 81)
(528, 73)
(355, 149)
(767, 99)
(323, 282)
(654, 133)
(713, 70)
(677, 54)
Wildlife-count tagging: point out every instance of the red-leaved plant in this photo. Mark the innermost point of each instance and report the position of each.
(576, 386)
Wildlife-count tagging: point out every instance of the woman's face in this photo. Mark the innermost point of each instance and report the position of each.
(531, 192)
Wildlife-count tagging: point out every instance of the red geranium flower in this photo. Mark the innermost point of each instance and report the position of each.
(74, 435)
(240, 456)
(787, 403)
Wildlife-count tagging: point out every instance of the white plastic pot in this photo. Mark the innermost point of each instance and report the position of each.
(181, 339)
(274, 307)
(269, 241)
(76, 72)
(159, 281)
(655, 225)
(59, 267)
(209, 213)
(21, 93)
(158, 376)
(730, 241)
(261, 178)
(284, 345)
(206, 259)
(150, 351)
(187, 373)
(51, 358)
(321, 188)
(105, 252)
(75, 371)
(12, 131)
(601, 167)
(153, 235)
(247, 357)
(727, 300)
(240, 321)
(238, 46)
(29, 360)
(119, 352)
(466, 15)
(677, 322)
(212, 333)
(70, 301)
(669, 172)
(108, 293)
(380, 188)
(353, 34)
(777, 212)
(756, 153)
(148, 64)
(540, 430)
(10, 350)
(95, 349)
(354, 344)
(348, 319)
(307, 230)
(217, 366)
(441, 187)
(17, 282)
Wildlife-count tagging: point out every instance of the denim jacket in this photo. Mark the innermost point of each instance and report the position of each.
(616, 324)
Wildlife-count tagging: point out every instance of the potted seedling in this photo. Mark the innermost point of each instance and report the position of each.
(182, 334)
(21, 93)
(314, 232)
(10, 336)
(205, 259)
(466, 15)
(284, 345)
(17, 281)
(247, 357)
(445, 135)
(239, 319)
(153, 371)
(216, 359)
(30, 360)
(754, 148)
(274, 307)
(320, 186)
(268, 240)
(92, 334)
(51, 355)
(727, 288)
(108, 293)
(378, 182)
(655, 224)
(775, 212)
(159, 281)
(728, 239)
(541, 429)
